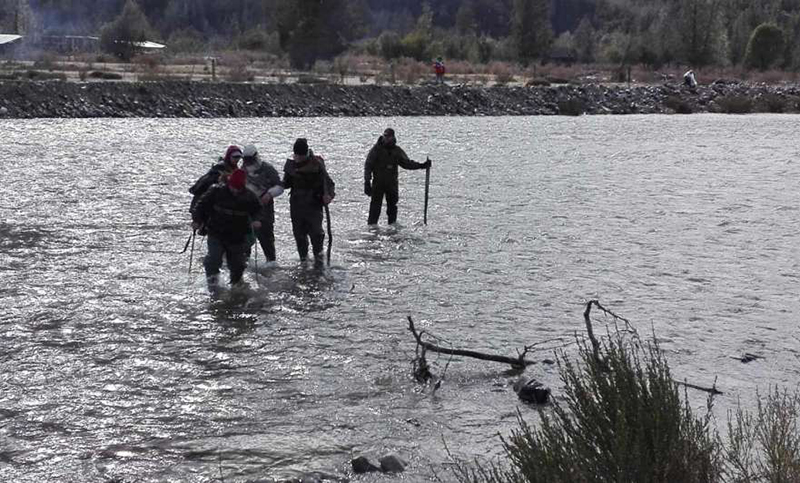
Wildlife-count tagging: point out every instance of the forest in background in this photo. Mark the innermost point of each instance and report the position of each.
(754, 34)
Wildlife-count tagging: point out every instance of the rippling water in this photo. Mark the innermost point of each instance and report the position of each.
(116, 364)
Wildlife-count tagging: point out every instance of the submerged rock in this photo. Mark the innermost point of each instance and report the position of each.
(392, 464)
(362, 465)
(532, 391)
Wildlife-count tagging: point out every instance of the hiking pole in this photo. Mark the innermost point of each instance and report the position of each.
(186, 247)
(427, 188)
(330, 235)
(255, 255)
(191, 254)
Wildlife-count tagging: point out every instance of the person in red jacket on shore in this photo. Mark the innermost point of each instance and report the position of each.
(438, 68)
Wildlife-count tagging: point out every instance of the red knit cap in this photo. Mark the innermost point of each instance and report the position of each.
(238, 179)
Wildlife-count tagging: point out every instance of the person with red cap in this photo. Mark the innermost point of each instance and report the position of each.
(218, 173)
(311, 189)
(226, 211)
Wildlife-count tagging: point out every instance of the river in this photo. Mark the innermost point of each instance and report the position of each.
(116, 365)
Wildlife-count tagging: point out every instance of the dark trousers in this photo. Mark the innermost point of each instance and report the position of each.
(307, 224)
(234, 253)
(379, 191)
(266, 238)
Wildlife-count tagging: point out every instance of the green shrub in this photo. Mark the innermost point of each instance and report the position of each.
(571, 107)
(537, 82)
(678, 105)
(735, 104)
(390, 45)
(41, 76)
(623, 420)
(765, 46)
(98, 74)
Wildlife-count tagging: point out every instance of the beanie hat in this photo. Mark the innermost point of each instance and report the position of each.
(388, 132)
(229, 152)
(250, 151)
(238, 179)
(301, 146)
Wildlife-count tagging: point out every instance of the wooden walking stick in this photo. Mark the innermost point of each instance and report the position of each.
(330, 234)
(427, 188)
(191, 254)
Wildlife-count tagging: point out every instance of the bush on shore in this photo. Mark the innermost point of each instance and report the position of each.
(623, 418)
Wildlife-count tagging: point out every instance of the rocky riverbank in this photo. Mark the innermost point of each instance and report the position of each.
(47, 99)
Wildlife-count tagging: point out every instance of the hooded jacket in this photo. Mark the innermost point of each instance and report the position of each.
(382, 162)
(308, 181)
(217, 174)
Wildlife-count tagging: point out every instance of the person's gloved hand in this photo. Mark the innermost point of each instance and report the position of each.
(256, 225)
(326, 199)
(367, 188)
(426, 164)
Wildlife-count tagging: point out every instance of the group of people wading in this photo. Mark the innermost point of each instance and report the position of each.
(234, 202)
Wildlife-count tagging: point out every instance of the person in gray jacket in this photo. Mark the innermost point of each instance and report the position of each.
(265, 182)
(311, 189)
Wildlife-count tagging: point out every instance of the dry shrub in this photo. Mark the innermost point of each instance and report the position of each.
(765, 446)
(560, 74)
(149, 67)
(461, 67)
(774, 103)
(237, 68)
(410, 71)
(503, 72)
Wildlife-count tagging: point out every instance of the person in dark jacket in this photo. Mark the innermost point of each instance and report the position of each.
(311, 189)
(218, 173)
(265, 182)
(380, 175)
(226, 211)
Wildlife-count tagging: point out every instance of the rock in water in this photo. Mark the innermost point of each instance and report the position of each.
(362, 465)
(392, 464)
(532, 391)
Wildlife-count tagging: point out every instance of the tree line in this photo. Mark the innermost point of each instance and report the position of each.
(760, 34)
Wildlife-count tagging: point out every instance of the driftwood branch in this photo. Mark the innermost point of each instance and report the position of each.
(711, 390)
(596, 345)
(517, 362)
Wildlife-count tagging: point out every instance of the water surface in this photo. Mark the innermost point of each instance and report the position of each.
(115, 363)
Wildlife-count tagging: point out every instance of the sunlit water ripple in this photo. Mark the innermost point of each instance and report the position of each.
(116, 364)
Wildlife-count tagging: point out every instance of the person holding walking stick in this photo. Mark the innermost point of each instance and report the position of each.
(227, 211)
(311, 189)
(381, 175)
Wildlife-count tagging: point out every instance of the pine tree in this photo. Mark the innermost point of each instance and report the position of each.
(531, 31)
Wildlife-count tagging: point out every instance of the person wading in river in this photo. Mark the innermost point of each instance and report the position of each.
(311, 189)
(226, 211)
(380, 176)
(265, 182)
(218, 173)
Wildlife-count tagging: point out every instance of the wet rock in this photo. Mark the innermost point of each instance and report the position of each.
(532, 391)
(392, 464)
(362, 465)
